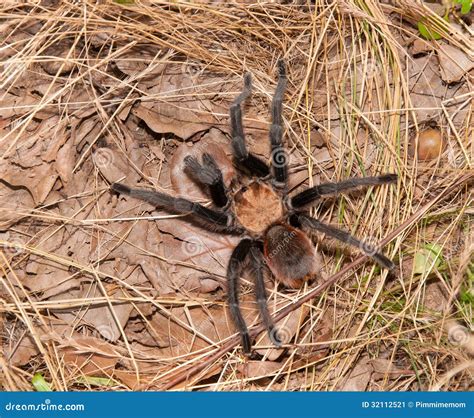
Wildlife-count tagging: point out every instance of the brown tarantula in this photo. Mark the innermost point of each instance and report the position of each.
(271, 223)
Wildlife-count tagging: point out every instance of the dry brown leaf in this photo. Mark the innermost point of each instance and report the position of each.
(426, 87)
(65, 160)
(89, 356)
(50, 277)
(143, 62)
(144, 235)
(214, 143)
(385, 368)
(21, 346)
(205, 253)
(129, 379)
(114, 165)
(13, 105)
(287, 329)
(359, 376)
(20, 352)
(58, 62)
(28, 166)
(101, 317)
(420, 46)
(453, 63)
(210, 322)
(180, 105)
(14, 204)
(258, 369)
(428, 90)
(38, 180)
(435, 297)
(368, 370)
(85, 130)
(177, 340)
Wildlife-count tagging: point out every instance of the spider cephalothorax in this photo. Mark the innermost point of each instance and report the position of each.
(273, 225)
(256, 206)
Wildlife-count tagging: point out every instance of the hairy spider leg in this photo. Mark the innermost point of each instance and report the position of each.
(208, 174)
(257, 263)
(244, 160)
(312, 223)
(234, 271)
(314, 193)
(216, 220)
(279, 158)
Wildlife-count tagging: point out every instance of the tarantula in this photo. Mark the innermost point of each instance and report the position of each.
(272, 224)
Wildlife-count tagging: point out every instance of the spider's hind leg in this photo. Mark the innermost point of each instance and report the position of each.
(208, 174)
(343, 236)
(257, 264)
(234, 270)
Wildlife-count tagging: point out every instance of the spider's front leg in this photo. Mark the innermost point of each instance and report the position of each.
(313, 194)
(244, 160)
(212, 219)
(278, 156)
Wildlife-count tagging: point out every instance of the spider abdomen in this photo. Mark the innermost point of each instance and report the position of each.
(289, 254)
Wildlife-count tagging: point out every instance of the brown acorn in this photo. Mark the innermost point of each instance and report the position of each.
(430, 144)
